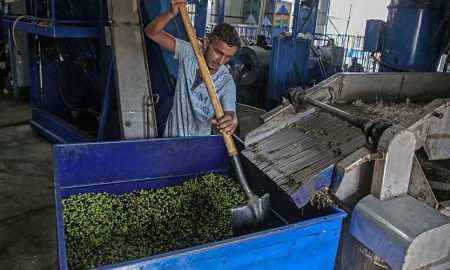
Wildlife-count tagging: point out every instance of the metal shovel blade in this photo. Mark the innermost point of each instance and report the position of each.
(250, 218)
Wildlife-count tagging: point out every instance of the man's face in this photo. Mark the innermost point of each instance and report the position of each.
(217, 53)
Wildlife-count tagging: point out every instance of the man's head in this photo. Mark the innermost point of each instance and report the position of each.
(330, 42)
(221, 45)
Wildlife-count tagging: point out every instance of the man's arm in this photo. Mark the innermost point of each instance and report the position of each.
(227, 123)
(155, 30)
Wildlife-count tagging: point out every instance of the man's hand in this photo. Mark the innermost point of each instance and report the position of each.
(227, 123)
(176, 4)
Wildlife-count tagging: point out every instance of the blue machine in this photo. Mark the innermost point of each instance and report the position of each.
(289, 67)
(72, 79)
(262, 78)
(372, 36)
(309, 241)
(414, 37)
(73, 86)
(294, 62)
(70, 67)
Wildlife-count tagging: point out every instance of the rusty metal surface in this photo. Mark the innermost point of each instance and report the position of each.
(277, 123)
(437, 172)
(437, 144)
(408, 100)
(391, 175)
(353, 177)
(394, 112)
(133, 86)
(424, 86)
(419, 88)
(419, 187)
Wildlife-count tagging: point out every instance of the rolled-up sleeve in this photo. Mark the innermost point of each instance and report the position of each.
(182, 49)
(228, 98)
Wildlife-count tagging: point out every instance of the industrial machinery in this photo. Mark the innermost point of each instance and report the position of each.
(367, 136)
(292, 239)
(420, 50)
(59, 46)
(86, 70)
(77, 63)
(250, 71)
(263, 76)
(91, 82)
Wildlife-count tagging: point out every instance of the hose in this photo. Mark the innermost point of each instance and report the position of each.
(59, 88)
(16, 45)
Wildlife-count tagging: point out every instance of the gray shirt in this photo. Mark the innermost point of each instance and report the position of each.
(192, 110)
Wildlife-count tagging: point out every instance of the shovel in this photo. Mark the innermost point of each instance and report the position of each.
(246, 218)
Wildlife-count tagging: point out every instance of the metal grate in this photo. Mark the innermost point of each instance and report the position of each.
(294, 155)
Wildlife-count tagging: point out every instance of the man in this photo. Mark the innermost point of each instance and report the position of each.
(355, 66)
(192, 112)
(325, 54)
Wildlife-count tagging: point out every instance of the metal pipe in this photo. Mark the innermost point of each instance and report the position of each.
(341, 204)
(346, 33)
(53, 17)
(241, 176)
(262, 11)
(41, 82)
(221, 11)
(349, 17)
(352, 119)
(105, 107)
(327, 16)
(35, 5)
(295, 21)
(15, 16)
(12, 60)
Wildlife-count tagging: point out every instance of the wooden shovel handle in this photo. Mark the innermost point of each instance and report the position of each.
(206, 77)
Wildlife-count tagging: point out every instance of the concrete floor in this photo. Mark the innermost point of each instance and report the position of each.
(27, 212)
(13, 111)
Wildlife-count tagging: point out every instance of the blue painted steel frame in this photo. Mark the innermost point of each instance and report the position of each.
(311, 244)
(66, 31)
(200, 17)
(45, 101)
(372, 35)
(295, 22)
(57, 130)
(288, 67)
(316, 183)
(221, 11)
(124, 166)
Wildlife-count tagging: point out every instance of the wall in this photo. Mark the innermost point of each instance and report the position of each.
(233, 11)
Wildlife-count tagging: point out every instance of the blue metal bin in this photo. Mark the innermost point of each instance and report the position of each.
(124, 166)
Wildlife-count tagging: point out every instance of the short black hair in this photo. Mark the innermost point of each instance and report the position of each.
(330, 42)
(226, 33)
